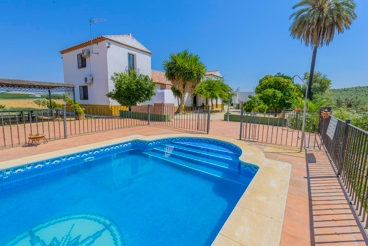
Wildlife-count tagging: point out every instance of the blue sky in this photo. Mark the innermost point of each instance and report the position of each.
(245, 40)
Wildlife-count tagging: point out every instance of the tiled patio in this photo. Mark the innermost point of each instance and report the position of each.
(317, 212)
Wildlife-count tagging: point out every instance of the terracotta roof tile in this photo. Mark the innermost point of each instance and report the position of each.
(159, 77)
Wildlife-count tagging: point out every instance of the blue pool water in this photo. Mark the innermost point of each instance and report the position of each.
(172, 192)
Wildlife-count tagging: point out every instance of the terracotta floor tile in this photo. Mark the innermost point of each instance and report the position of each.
(288, 239)
(297, 200)
(296, 228)
(297, 191)
(298, 212)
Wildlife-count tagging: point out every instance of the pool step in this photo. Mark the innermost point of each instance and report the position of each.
(224, 174)
(212, 149)
(205, 153)
(202, 161)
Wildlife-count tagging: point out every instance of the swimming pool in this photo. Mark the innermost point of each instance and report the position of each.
(175, 191)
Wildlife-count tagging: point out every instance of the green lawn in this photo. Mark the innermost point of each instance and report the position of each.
(19, 96)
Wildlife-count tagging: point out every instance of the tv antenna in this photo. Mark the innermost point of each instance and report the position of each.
(92, 21)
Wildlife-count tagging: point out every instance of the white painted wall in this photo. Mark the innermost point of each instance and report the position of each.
(242, 96)
(98, 90)
(104, 65)
(117, 62)
(165, 96)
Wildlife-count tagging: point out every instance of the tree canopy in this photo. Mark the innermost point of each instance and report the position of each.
(320, 86)
(255, 104)
(131, 89)
(273, 93)
(354, 97)
(213, 89)
(316, 22)
(185, 71)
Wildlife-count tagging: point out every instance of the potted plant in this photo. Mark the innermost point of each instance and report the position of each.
(79, 112)
(325, 114)
(37, 137)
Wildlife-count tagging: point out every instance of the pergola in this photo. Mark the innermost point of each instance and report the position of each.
(36, 86)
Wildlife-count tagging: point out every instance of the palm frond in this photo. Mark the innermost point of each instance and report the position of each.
(317, 21)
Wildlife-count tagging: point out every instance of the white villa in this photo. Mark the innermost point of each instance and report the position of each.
(91, 64)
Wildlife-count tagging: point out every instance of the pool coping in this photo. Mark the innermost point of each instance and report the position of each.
(257, 218)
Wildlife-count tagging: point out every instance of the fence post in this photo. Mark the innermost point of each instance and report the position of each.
(197, 119)
(343, 147)
(208, 120)
(241, 120)
(149, 115)
(64, 121)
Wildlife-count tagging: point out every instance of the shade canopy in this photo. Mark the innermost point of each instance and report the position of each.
(34, 86)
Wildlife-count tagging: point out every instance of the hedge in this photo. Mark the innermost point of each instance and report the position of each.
(272, 121)
(144, 116)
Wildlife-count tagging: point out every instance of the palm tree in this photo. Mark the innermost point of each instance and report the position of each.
(185, 71)
(316, 21)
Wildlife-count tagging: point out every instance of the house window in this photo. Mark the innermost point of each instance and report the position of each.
(82, 61)
(131, 62)
(83, 92)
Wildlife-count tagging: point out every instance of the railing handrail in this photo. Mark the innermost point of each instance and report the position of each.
(359, 129)
(351, 125)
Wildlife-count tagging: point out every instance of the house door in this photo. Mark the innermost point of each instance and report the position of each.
(194, 101)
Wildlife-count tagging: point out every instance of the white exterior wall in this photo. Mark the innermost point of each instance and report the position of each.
(72, 74)
(242, 96)
(104, 65)
(117, 62)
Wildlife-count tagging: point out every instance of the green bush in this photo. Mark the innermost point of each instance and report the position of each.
(359, 120)
(295, 121)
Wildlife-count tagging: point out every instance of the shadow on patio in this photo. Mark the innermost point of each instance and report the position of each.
(333, 220)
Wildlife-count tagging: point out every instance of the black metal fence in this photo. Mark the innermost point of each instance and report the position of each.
(347, 147)
(192, 118)
(18, 125)
(100, 118)
(281, 128)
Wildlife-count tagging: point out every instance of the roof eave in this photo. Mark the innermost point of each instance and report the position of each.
(97, 40)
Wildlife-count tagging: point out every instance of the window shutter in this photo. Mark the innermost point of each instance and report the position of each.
(85, 93)
(79, 61)
(81, 92)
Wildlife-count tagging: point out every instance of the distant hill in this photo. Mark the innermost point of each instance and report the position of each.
(353, 94)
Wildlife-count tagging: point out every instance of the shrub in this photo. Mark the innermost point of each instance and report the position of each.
(295, 121)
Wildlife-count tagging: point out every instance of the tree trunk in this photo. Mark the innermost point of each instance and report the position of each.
(180, 109)
(311, 74)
